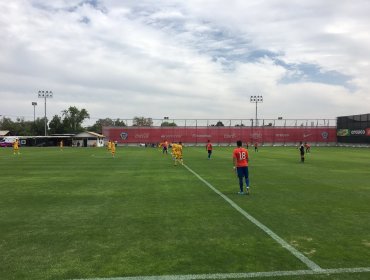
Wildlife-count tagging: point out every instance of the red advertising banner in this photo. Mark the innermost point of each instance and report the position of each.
(131, 135)
(367, 131)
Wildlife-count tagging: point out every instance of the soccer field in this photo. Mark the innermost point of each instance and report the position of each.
(81, 214)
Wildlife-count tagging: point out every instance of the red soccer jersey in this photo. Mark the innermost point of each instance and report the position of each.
(209, 147)
(241, 156)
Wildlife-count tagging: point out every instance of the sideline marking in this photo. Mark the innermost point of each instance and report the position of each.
(239, 275)
(310, 264)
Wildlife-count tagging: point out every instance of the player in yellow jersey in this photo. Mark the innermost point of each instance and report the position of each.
(16, 147)
(113, 149)
(109, 146)
(61, 144)
(174, 151)
(177, 152)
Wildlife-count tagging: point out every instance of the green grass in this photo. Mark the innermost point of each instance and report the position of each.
(79, 213)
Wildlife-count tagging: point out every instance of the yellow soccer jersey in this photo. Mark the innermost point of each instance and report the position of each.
(177, 150)
(174, 148)
(16, 145)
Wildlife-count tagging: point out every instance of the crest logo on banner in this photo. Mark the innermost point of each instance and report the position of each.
(124, 135)
(325, 135)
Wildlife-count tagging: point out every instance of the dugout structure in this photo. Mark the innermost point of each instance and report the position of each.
(354, 129)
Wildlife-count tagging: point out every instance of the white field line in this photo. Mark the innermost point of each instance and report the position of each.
(315, 269)
(310, 264)
(240, 275)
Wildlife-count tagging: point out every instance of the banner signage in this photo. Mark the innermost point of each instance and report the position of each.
(343, 132)
(221, 134)
(359, 132)
(353, 132)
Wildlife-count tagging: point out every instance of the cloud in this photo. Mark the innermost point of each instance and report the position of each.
(186, 59)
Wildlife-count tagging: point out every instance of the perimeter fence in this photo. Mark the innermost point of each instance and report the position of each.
(230, 122)
(224, 131)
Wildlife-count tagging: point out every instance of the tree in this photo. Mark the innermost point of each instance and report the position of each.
(21, 127)
(38, 127)
(7, 124)
(98, 125)
(56, 125)
(119, 122)
(168, 124)
(73, 118)
(71, 123)
(141, 121)
(219, 123)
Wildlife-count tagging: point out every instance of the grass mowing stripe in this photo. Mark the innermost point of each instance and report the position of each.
(241, 275)
(273, 235)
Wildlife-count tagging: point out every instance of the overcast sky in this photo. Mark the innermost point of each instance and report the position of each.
(186, 59)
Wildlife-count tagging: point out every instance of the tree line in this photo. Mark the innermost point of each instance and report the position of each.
(68, 122)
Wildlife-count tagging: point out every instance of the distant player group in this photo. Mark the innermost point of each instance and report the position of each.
(240, 157)
(176, 151)
(240, 160)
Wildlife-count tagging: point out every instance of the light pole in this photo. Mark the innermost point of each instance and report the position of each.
(166, 120)
(256, 99)
(34, 104)
(45, 94)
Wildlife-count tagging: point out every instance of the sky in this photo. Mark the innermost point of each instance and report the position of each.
(194, 59)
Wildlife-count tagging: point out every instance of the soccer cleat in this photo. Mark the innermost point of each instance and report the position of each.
(241, 193)
(247, 191)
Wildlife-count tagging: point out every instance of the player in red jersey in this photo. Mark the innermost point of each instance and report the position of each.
(240, 161)
(165, 147)
(209, 149)
(307, 147)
